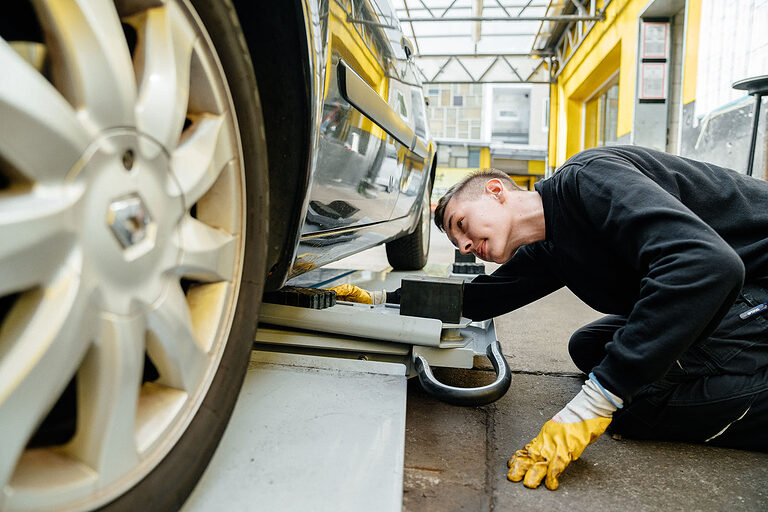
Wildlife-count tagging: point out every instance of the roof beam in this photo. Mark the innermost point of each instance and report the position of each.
(473, 55)
(454, 36)
(480, 69)
(564, 17)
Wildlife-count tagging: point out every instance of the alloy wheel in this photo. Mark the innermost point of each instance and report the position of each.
(121, 215)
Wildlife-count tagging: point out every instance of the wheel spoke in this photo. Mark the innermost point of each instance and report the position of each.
(90, 59)
(208, 254)
(172, 345)
(201, 157)
(34, 115)
(35, 232)
(42, 342)
(108, 388)
(165, 46)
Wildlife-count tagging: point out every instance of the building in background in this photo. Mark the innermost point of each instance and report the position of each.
(727, 42)
(660, 74)
(478, 126)
(653, 73)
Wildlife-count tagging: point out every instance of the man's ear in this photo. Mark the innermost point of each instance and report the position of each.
(495, 188)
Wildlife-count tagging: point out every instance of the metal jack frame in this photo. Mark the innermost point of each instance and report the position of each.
(380, 333)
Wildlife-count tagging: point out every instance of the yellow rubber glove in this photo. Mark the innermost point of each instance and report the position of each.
(563, 438)
(352, 293)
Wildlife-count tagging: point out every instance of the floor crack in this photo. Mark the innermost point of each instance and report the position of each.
(490, 443)
(570, 375)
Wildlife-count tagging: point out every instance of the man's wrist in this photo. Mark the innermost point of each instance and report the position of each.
(378, 297)
(589, 403)
(615, 400)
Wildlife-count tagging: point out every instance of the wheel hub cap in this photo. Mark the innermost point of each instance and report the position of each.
(130, 221)
(130, 215)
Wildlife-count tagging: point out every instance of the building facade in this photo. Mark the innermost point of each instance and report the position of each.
(477, 126)
(661, 74)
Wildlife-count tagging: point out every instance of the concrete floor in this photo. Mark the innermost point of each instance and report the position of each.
(456, 457)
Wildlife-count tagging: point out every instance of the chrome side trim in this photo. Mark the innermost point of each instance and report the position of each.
(419, 147)
(357, 92)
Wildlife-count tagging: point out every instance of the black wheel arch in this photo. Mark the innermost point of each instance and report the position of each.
(277, 40)
(432, 173)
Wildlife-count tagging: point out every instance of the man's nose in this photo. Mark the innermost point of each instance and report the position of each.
(465, 245)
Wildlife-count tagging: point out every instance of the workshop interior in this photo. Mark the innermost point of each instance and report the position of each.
(182, 182)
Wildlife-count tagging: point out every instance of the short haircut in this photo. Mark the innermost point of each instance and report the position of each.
(470, 187)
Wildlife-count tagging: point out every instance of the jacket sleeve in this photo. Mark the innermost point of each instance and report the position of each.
(690, 275)
(514, 284)
(520, 281)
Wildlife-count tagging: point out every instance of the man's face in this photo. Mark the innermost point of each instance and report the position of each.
(481, 225)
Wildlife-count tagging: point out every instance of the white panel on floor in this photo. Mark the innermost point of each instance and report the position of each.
(310, 434)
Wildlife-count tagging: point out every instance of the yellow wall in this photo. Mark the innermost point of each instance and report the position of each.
(536, 166)
(485, 158)
(591, 115)
(691, 57)
(611, 46)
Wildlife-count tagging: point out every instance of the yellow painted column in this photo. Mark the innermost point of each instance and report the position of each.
(535, 167)
(485, 158)
(553, 125)
(573, 122)
(691, 56)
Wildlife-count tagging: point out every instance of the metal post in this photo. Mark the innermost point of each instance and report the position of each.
(758, 87)
(755, 126)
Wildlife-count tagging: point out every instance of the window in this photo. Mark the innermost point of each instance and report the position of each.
(436, 127)
(458, 101)
(511, 118)
(608, 120)
(472, 113)
(601, 116)
(474, 158)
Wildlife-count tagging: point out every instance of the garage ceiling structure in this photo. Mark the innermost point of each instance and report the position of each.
(495, 41)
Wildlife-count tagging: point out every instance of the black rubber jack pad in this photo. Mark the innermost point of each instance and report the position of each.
(432, 297)
(458, 257)
(468, 268)
(312, 298)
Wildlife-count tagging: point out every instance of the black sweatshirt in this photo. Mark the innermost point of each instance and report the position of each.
(663, 240)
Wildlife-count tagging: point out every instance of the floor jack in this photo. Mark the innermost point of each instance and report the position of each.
(320, 422)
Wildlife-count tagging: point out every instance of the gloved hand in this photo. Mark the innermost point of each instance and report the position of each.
(352, 293)
(563, 438)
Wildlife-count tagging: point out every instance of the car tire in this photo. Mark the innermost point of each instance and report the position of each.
(186, 462)
(411, 251)
(167, 472)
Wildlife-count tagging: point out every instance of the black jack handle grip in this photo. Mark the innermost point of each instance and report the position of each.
(467, 396)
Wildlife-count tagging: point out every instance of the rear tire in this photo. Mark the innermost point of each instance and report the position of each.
(411, 251)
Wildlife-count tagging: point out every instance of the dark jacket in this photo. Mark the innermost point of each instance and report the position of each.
(663, 240)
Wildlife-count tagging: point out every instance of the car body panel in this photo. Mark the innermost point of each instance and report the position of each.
(371, 153)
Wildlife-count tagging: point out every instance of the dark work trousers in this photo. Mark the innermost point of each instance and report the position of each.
(715, 393)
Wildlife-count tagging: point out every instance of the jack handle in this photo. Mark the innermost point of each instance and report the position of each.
(468, 396)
